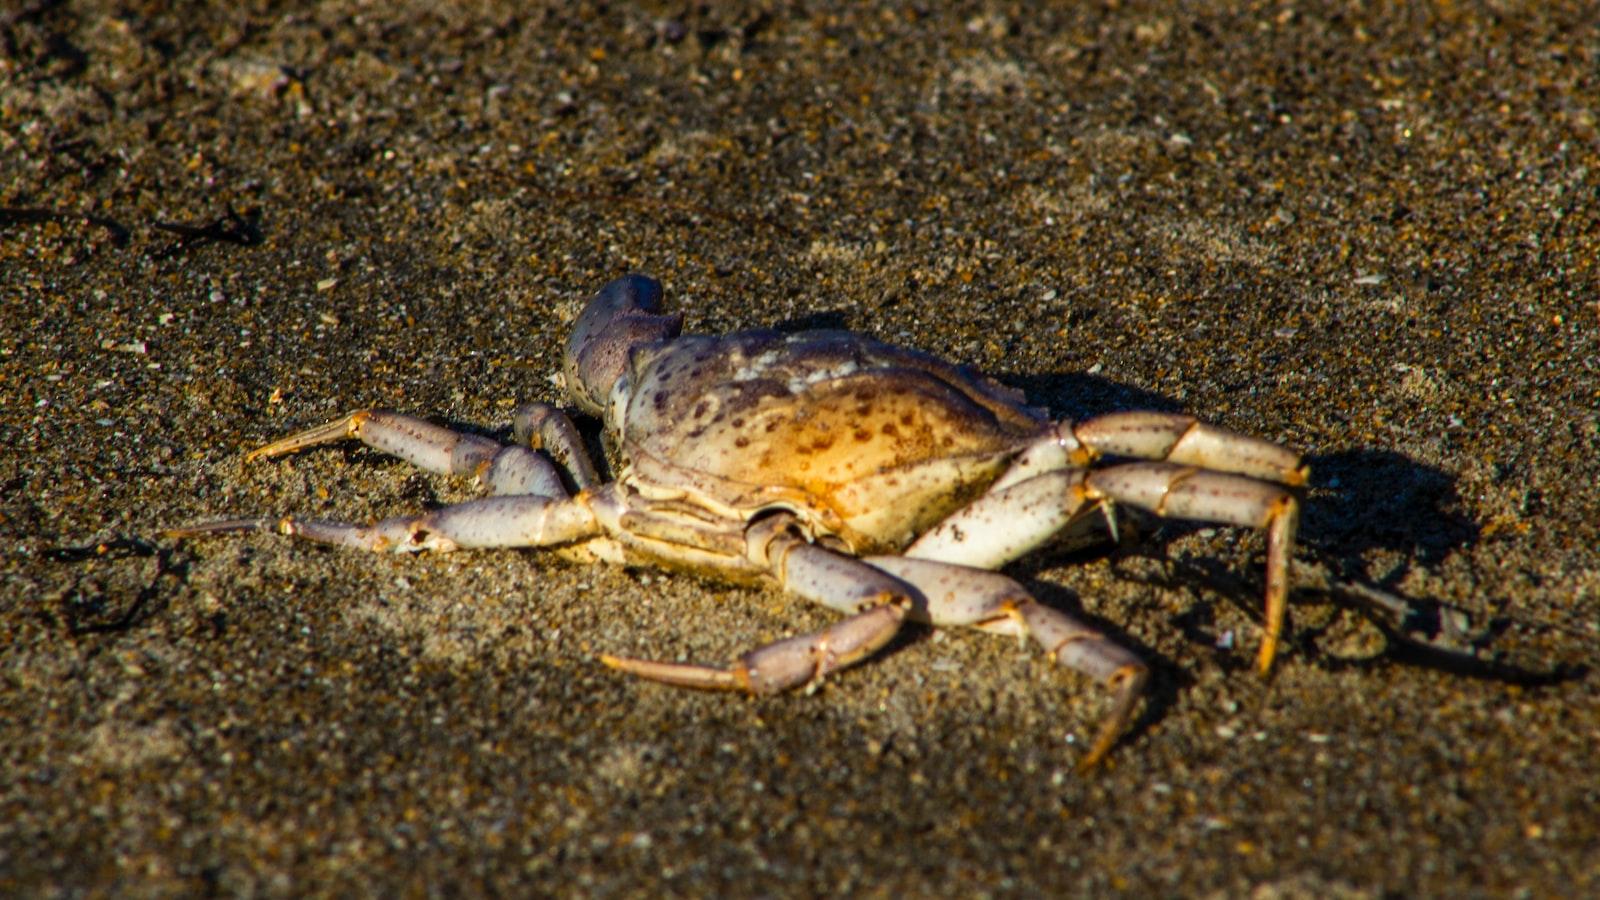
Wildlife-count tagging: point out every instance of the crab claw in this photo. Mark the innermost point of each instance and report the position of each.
(622, 316)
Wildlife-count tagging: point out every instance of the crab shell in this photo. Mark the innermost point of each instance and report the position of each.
(864, 442)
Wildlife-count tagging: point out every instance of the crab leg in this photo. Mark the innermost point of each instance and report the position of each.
(520, 521)
(501, 469)
(544, 427)
(1001, 526)
(1182, 492)
(1188, 441)
(958, 595)
(878, 604)
(1166, 437)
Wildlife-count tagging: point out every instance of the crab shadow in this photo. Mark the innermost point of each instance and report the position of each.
(1383, 500)
(1079, 395)
(116, 585)
(1380, 500)
(826, 320)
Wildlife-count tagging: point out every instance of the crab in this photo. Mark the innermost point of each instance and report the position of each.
(879, 481)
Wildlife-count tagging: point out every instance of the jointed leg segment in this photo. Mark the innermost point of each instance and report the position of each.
(1187, 441)
(540, 426)
(801, 660)
(529, 506)
(522, 521)
(877, 603)
(957, 595)
(1184, 492)
(1207, 474)
(1162, 437)
(502, 469)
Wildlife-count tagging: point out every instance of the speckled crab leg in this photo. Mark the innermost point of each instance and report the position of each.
(521, 521)
(1001, 526)
(958, 595)
(1165, 437)
(501, 469)
(1183, 492)
(877, 603)
(541, 426)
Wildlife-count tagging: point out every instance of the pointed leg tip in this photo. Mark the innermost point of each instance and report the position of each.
(1110, 735)
(1091, 761)
(1270, 642)
(629, 664)
(1264, 662)
(706, 678)
(267, 451)
(1129, 682)
(225, 526)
